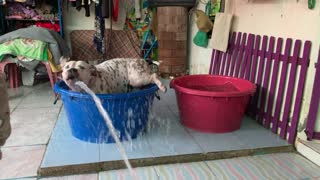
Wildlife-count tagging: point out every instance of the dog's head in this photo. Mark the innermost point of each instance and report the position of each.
(73, 71)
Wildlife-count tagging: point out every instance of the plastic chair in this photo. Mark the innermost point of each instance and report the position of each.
(13, 72)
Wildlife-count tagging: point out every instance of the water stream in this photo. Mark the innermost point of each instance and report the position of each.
(109, 124)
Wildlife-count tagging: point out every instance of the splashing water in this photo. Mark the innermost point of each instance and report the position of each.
(109, 124)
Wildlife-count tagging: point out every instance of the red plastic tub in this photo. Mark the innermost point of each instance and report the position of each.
(214, 104)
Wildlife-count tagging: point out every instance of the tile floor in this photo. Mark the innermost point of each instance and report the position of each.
(34, 117)
(167, 138)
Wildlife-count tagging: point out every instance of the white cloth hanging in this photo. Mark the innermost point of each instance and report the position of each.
(221, 28)
(220, 32)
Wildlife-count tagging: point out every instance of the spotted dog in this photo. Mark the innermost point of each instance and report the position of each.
(111, 76)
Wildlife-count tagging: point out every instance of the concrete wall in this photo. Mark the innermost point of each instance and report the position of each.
(279, 18)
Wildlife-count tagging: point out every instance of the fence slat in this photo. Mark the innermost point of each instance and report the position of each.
(273, 82)
(290, 89)
(281, 87)
(244, 73)
(255, 59)
(301, 84)
(260, 72)
(232, 46)
(223, 63)
(240, 56)
(314, 104)
(212, 62)
(219, 63)
(264, 90)
(253, 70)
(235, 54)
(216, 61)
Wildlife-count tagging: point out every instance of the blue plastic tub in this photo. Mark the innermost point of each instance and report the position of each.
(128, 112)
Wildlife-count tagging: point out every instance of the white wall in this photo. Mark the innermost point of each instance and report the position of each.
(279, 18)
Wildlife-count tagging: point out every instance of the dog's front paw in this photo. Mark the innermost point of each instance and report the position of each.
(163, 88)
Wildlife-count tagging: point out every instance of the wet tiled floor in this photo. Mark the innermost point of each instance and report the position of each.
(168, 138)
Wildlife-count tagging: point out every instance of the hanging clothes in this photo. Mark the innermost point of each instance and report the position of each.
(87, 8)
(2, 21)
(105, 5)
(99, 36)
(115, 9)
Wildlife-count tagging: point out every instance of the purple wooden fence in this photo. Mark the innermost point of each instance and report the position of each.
(314, 105)
(249, 59)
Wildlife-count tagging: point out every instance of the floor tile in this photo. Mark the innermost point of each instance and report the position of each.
(40, 98)
(20, 161)
(13, 103)
(16, 95)
(65, 149)
(315, 145)
(138, 148)
(21, 117)
(30, 134)
(62, 130)
(74, 177)
(143, 173)
(168, 137)
(20, 92)
(32, 126)
(259, 137)
(217, 142)
(270, 166)
(185, 171)
(60, 153)
(250, 135)
(293, 164)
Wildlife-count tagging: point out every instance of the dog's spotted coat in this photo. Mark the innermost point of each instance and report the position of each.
(111, 76)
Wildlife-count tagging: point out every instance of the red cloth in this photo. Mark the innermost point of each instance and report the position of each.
(115, 10)
(49, 25)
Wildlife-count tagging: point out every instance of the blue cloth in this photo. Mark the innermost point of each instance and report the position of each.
(99, 36)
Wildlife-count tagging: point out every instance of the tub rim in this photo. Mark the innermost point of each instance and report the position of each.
(178, 88)
(58, 88)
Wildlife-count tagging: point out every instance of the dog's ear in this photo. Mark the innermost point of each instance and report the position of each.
(64, 60)
(93, 70)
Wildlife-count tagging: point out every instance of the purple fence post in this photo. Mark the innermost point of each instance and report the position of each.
(240, 56)
(255, 59)
(314, 104)
(219, 63)
(211, 62)
(235, 54)
(230, 52)
(223, 63)
(297, 105)
(216, 61)
(247, 58)
(260, 73)
(273, 82)
(283, 76)
(290, 89)
(265, 84)
(253, 70)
